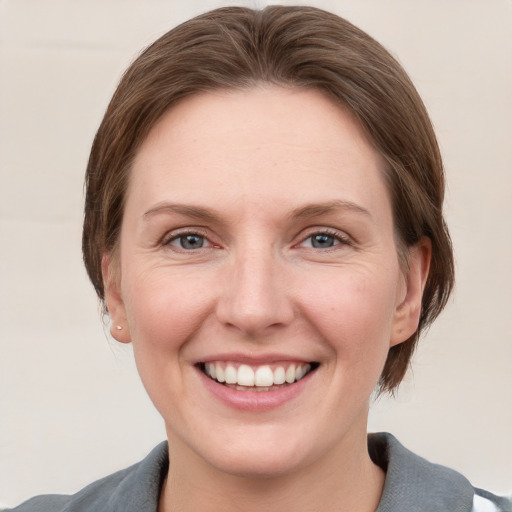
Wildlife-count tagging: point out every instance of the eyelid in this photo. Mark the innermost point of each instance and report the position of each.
(340, 236)
(175, 234)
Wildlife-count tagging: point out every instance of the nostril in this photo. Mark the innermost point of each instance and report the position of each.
(255, 300)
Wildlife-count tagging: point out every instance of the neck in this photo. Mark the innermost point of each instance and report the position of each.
(344, 480)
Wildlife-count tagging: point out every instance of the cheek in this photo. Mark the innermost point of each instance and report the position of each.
(353, 311)
(164, 307)
(163, 314)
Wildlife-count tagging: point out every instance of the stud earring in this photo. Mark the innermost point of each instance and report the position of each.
(119, 327)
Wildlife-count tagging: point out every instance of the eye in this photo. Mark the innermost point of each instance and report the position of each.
(188, 241)
(324, 240)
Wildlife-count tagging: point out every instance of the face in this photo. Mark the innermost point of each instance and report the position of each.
(259, 279)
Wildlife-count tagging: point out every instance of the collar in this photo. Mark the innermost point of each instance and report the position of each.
(414, 484)
(138, 487)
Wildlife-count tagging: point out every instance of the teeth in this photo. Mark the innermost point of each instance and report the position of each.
(263, 377)
(301, 371)
(230, 375)
(245, 375)
(290, 374)
(279, 375)
(210, 370)
(219, 373)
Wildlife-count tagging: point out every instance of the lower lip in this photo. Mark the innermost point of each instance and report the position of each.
(255, 401)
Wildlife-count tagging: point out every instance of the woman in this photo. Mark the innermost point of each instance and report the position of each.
(264, 223)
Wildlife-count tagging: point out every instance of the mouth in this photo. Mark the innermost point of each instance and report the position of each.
(267, 377)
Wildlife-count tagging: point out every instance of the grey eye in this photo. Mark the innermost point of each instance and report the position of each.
(322, 241)
(189, 242)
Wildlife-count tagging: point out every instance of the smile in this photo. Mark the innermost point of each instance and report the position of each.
(243, 377)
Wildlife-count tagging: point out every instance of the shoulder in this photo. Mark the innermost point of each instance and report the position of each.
(134, 489)
(415, 484)
(484, 501)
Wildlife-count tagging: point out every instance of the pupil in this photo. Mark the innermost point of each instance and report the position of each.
(191, 242)
(322, 241)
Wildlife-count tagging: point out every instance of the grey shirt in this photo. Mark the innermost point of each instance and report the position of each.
(412, 484)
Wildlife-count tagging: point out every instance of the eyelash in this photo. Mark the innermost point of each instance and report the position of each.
(338, 237)
(169, 238)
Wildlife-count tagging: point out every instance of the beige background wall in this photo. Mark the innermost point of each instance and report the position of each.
(71, 406)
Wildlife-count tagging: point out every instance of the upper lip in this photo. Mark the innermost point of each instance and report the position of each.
(255, 359)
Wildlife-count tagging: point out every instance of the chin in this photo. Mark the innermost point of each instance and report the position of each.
(252, 452)
(261, 465)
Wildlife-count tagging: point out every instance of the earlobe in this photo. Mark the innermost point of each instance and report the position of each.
(118, 325)
(407, 313)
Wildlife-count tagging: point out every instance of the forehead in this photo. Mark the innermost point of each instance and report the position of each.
(259, 141)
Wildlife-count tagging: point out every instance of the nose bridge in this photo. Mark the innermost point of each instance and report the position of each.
(254, 297)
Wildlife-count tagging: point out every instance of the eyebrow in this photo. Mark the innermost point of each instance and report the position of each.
(304, 212)
(195, 212)
(317, 209)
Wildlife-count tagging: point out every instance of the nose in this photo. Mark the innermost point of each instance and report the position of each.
(255, 295)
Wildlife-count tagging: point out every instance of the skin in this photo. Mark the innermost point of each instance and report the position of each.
(257, 161)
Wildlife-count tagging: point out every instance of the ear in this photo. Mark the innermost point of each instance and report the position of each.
(111, 281)
(408, 310)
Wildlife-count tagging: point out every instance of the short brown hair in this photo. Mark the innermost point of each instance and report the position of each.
(293, 47)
